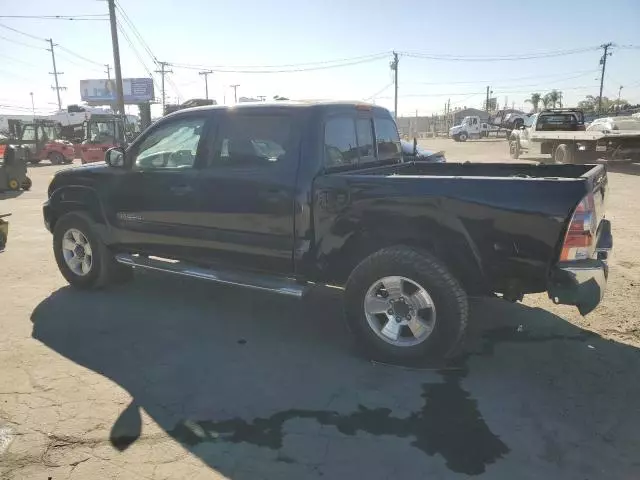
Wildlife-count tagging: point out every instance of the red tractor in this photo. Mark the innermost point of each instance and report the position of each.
(41, 140)
(101, 132)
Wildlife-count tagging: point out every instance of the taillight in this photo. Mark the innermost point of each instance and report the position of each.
(580, 239)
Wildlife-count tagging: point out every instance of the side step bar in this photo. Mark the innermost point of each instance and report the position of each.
(282, 286)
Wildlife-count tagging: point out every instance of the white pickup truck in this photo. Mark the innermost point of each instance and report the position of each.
(561, 133)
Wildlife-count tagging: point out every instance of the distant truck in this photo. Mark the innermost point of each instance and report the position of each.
(474, 127)
(561, 133)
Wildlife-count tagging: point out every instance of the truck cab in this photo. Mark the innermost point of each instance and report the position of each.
(101, 132)
(470, 127)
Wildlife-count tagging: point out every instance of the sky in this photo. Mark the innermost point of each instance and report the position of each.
(233, 37)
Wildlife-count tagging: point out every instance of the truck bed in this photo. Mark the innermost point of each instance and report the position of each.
(489, 170)
(538, 136)
(513, 216)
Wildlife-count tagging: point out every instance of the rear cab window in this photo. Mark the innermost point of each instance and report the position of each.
(358, 139)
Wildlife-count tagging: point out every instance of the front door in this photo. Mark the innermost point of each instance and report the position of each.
(153, 205)
(525, 133)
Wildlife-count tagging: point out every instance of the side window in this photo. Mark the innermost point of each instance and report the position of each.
(364, 129)
(29, 133)
(388, 140)
(340, 144)
(172, 145)
(253, 141)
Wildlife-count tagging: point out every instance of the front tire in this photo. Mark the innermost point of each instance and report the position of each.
(56, 158)
(463, 137)
(26, 184)
(82, 258)
(403, 304)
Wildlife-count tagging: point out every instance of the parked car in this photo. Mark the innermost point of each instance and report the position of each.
(332, 202)
(614, 123)
(420, 154)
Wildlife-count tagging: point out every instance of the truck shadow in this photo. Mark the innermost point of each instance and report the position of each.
(241, 378)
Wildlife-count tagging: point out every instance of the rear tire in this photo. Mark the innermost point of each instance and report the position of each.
(82, 258)
(514, 149)
(446, 320)
(26, 184)
(564, 153)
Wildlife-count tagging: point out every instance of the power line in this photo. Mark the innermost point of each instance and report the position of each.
(22, 33)
(21, 43)
(288, 70)
(135, 51)
(582, 87)
(469, 82)
(136, 33)
(371, 97)
(79, 56)
(17, 60)
(58, 17)
(557, 53)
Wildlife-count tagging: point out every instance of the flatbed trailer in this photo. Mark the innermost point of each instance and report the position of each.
(561, 134)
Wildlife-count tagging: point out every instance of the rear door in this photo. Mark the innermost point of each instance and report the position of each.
(246, 190)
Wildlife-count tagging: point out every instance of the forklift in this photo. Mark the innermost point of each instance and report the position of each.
(13, 169)
(41, 140)
(101, 132)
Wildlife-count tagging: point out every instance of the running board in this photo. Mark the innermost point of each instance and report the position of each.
(282, 286)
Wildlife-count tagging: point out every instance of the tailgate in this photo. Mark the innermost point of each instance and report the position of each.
(598, 187)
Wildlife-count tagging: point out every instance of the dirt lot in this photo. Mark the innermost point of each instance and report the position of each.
(166, 378)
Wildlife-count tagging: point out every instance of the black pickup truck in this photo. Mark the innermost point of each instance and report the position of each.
(283, 196)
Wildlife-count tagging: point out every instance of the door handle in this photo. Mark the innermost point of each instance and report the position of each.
(181, 189)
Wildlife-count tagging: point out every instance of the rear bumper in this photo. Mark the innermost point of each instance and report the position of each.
(583, 282)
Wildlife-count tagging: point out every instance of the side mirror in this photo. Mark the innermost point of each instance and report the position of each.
(521, 127)
(415, 146)
(114, 157)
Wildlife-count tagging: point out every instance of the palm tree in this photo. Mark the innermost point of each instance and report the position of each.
(534, 100)
(546, 101)
(554, 97)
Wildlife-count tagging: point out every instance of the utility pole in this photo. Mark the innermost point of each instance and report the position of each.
(163, 71)
(603, 62)
(33, 106)
(55, 74)
(486, 105)
(206, 74)
(560, 99)
(235, 92)
(108, 71)
(619, 91)
(394, 67)
(116, 57)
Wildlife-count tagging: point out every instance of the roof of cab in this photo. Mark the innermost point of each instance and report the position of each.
(280, 104)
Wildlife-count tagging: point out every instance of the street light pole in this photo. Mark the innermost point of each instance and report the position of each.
(33, 107)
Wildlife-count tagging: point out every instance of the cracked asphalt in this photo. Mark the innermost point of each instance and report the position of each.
(170, 378)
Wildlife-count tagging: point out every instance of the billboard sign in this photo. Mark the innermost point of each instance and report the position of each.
(103, 91)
